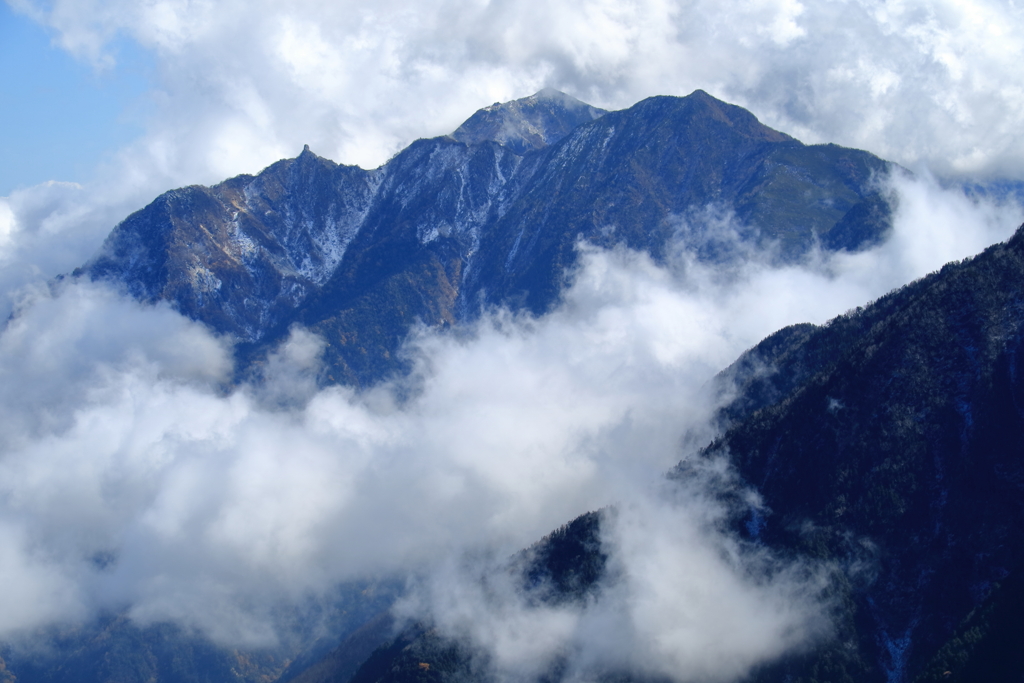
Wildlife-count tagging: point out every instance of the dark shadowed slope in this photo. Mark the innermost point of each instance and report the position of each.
(888, 444)
(894, 437)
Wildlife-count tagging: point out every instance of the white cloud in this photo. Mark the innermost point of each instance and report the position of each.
(699, 607)
(118, 442)
(357, 83)
(39, 594)
(211, 509)
(66, 348)
(681, 600)
(239, 86)
(8, 223)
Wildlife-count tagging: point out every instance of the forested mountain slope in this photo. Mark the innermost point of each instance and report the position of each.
(898, 430)
(887, 445)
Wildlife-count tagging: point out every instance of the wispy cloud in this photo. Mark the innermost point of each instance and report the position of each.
(130, 478)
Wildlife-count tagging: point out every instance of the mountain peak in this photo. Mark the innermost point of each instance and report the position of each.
(699, 106)
(528, 123)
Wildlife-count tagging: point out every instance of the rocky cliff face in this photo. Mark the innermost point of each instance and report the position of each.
(242, 255)
(489, 215)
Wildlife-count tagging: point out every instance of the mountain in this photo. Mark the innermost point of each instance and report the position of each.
(886, 445)
(528, 124)
(564, 567)
(900, 427)
(490, 215)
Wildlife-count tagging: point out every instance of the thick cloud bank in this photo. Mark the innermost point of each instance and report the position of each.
(239, 85)
(243, 84)
(130, 477)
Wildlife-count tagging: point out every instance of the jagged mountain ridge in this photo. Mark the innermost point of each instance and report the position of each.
(488, 216)
(242, 255)
(447, 224)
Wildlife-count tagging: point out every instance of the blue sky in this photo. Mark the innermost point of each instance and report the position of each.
(60, 117)
(130, 99)
(209, 89)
